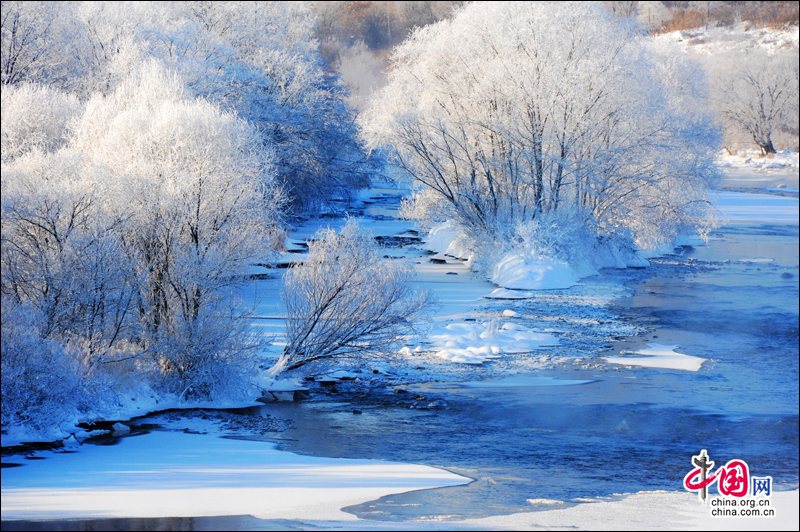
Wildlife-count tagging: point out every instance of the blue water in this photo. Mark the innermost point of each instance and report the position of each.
(570, 442)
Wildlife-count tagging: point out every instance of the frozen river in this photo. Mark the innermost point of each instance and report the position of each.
(571, 426)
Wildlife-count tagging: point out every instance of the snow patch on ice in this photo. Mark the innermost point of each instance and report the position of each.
(659, 356)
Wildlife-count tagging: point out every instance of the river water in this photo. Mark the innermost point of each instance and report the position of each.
(732, 301)
(614, 429)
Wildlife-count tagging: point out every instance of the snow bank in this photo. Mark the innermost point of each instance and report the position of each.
(659, 356)
(740, 38)
(448, 239)
(474, 343)
(514, 271)
(755, 160)
(642, 511)
(166, 474)
(520, 269)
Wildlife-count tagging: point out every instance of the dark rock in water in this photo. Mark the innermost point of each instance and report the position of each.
(97, 425)
(419, 398)
(266, 398)
(356, 411)
(786, 275)
(687, 247)
(397, 241)
(399, 390)
(438, 261)
(299, 395)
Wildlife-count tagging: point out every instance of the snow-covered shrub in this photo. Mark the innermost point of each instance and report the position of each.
(345, 300)
(565, 234)
(45, 383)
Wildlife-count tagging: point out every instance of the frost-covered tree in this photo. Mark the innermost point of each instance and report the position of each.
(130, 239)
(28, 31)
(345, 300)
(262, 60)
(35, 117)
(756, 92)
(258, 59)
(513, 110)
(202, 205)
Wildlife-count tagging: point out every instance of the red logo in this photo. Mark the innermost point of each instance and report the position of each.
(732, 479)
